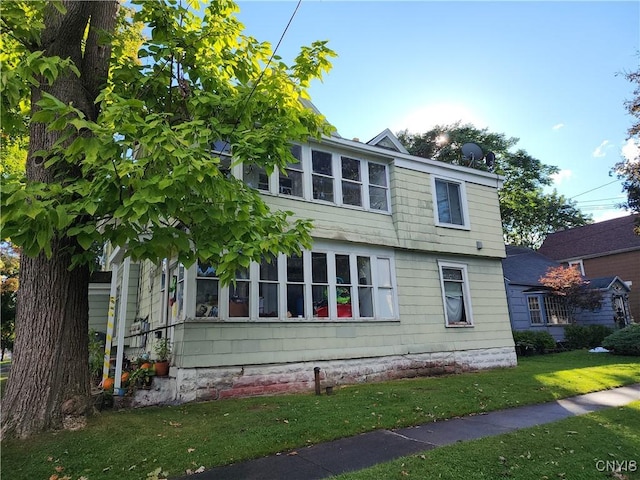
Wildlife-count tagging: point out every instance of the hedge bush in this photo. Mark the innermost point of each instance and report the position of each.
(585, 336)
(625, 341)
(540, 341)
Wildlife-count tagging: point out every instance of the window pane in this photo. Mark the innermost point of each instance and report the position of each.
(343, 301)
(295, 300)
(351, 193)
(343, 271)
(385, 303)
(378, 174)
(239, 299)
(291, 183)
(255, 177)
(365, 297)
(350, 169)
(295, 269)
(206, 298)
(323, 188)
(320, 301)
(269, 271)
(268, 306)
(534, 310)
(321, 162)
(442, 196)
(452, 274)
(384, 272)
(454, 204)
(449, 203)
(378, 198)
(206, 270)
(364, 271)
(319, 268)
(296, 151)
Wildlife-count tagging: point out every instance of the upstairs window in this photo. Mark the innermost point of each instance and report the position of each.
(351, 182)
(449, 202)
(378, 188)
(291, 182)
(322, 178)
(255, 176)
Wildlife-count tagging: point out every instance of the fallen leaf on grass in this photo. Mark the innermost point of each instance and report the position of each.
(174, 424)
(191, 450)
(59, 468)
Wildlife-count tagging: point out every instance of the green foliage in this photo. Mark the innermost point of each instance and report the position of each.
(96, 356)
(540, 341)
(585, 336)
(162, 348)
(142, 175)
(625, 341)
(528, 213)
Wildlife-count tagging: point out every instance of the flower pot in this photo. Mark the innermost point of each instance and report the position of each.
(162, 369)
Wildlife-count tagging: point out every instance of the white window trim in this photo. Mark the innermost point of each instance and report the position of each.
(579, 264)
(331, 252)
(305, 166)
(463, 203)
(540, 310)
(465, 290)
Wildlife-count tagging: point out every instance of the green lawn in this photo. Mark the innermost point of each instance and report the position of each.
(130, 444)
(588, 447)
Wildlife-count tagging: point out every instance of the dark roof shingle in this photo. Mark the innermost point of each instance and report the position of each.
(592, 240)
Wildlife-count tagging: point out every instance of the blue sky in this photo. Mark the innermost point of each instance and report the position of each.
(545, 72)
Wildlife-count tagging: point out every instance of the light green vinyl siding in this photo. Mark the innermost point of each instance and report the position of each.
(421, 328)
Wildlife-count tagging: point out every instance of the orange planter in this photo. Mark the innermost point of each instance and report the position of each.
(107, 384)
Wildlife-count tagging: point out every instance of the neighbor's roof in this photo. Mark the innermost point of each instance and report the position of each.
(605, 283)
(597, 239)
(524, 266)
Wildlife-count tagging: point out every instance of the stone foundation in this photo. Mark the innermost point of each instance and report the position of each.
(199, 384)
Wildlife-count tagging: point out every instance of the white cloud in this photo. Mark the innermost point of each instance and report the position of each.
(558, 126)
(631, 151)
(427, 117)
(561, 176)
(600, 149)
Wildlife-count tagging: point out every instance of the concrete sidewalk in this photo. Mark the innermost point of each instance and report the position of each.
(368, 449)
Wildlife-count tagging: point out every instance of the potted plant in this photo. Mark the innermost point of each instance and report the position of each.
(141, 377)
(163, 352)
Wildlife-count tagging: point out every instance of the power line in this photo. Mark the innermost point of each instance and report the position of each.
(596, 188)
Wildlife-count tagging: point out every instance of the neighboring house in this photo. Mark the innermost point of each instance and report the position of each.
(600, 250)
(404, 279)
(532, 306)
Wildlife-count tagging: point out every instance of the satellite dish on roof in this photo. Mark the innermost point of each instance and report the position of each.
(472, 152)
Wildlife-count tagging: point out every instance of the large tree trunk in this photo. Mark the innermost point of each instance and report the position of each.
(48, 387)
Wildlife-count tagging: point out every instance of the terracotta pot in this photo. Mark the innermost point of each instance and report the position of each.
(162, 369)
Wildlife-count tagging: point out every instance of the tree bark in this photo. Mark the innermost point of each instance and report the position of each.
(49, 386)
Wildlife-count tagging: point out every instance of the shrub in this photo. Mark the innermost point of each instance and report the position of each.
(589, 336)
(538, 341)
(625, 341)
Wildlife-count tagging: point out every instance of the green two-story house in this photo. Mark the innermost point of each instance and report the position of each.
(404, 278)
